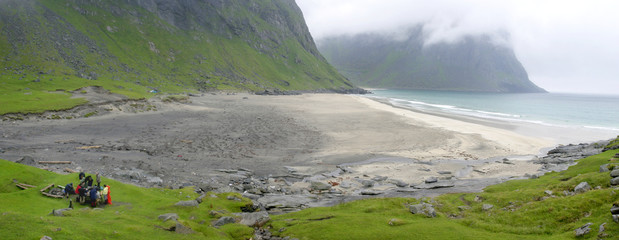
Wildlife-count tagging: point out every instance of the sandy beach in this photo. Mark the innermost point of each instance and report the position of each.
(199, 142)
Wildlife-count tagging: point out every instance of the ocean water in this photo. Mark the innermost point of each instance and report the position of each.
(555, 109)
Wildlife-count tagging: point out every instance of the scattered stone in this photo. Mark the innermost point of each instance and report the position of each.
(423, 208)
(616, 218)
(614, 181)
(582, 230)
(407, 190)
(435, 185)
(548, 192)
(27, 160)
(487, 207)
(507, 161)
(223, 221)
(379, 178)
(568, 193)
(60, 212)
(188, 203)
(396, 222)
(233, 198)
(602, 228)
(444, 172)
(285, 202)
(398, 183)
(320, 186)
(182, 229)
(582, 187)
(154, 180)
(464, 208)
(46, 238)
(367, 183)
(255, 219)
(604, 168)
(614, 173)
(199, 199)
(478, 199)
(370, 193)
(168, 216)
(251, 196)
(345, 169)
(614, 210)
(431, 180)
(531, 176)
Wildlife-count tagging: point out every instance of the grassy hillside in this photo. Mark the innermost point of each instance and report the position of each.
(24, 214)
(48, 48)
(522, 210)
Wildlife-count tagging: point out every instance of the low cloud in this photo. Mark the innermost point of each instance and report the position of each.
(566, 46)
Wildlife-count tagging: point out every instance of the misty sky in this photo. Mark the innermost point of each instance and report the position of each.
(565, 46)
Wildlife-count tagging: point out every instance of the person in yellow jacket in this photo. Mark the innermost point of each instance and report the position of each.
(104, 193)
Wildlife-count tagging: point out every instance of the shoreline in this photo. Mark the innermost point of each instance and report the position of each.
(316, 148)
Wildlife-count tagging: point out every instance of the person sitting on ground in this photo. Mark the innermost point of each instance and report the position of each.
(68, 189)
(77, 189)
(82, 175)
(93, 197)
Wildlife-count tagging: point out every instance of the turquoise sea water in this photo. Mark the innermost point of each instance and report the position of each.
(556, 109)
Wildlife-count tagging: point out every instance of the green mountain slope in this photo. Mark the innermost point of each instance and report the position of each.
(131, 47)
(472, 64)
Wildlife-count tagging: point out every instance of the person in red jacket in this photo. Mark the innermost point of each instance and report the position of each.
(109, 198)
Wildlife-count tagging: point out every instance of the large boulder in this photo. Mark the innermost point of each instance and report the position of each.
(614, 173)
(614, 181)
(27, 160)
(604, 168)
(423, 208)
(223, 221)
(582, 187)
(255, 219)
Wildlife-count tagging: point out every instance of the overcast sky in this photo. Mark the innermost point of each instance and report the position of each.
(565, 45)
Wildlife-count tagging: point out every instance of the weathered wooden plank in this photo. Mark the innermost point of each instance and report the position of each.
(45, 189)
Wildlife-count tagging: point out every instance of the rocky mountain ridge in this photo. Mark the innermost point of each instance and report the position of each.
(474, 63)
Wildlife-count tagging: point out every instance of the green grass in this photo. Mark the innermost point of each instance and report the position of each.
(133, 215)
(121, 59)
(520, 211)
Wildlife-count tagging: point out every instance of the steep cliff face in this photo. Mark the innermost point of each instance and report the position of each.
(168, 45)
(474, 63)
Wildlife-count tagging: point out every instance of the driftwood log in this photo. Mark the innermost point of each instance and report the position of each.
(54, 162)
(24, 186)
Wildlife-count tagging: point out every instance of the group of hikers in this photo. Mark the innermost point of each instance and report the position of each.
(87, 192)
